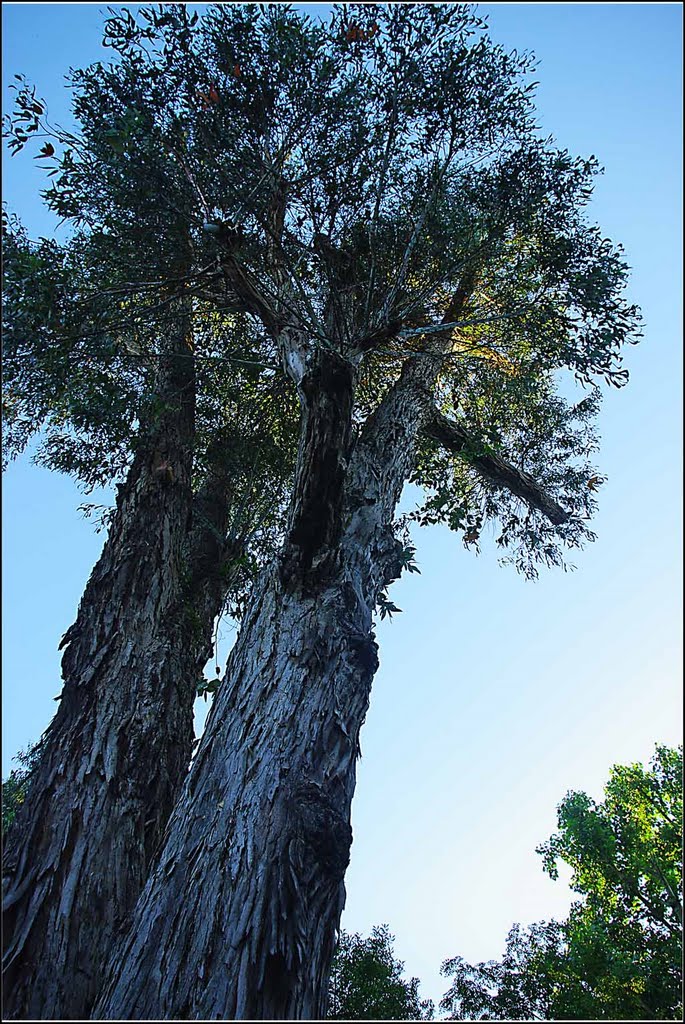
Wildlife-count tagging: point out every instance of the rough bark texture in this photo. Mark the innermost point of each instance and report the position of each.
(118, 749)
(239, 917)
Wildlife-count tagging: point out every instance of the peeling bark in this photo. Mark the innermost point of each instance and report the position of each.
(239, 916)
(238, 920)
(117, 751)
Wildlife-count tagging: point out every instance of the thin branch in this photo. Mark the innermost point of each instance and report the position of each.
(193, 181)
(376, 209)
(438, 328)
(411, 245)
(674, 901)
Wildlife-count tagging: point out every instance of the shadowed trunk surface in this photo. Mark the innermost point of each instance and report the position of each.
(117, 751)
(239, 917)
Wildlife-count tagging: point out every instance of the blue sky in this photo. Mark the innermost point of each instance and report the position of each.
(495, 696)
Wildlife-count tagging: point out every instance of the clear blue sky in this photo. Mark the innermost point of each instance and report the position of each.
(495, 695)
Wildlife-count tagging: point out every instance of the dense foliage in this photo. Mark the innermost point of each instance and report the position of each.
(343, 177)
(367, 983)
(618, 956)
(15, 786)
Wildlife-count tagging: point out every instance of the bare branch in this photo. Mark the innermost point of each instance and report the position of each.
(242, 284)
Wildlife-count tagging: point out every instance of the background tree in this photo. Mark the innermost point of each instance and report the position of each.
(366, 981)
(618, 956)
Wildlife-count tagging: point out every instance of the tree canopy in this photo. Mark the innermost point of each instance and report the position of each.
(618, 956)
(367, 984)
(341, 179)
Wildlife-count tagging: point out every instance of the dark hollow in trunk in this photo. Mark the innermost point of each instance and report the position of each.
(238, 919)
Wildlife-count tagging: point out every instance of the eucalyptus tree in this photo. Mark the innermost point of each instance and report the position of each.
(371, 206)
(122, 366)
(388, 219)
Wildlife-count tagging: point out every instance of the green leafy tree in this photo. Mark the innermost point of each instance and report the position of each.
(618, 956)
(15, 786)
(364, 209)
(367, 983)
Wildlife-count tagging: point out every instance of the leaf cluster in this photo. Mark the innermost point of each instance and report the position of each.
(16, 786)
(618, 955)
(366, 981)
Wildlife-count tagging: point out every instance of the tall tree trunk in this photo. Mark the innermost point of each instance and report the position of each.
(117, 751)
(238, 919)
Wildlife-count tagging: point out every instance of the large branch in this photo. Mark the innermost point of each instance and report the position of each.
(279, 320)
(453, 436)
(244, 287)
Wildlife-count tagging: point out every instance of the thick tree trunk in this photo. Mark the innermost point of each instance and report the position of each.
(118, 749)
(239, 917)
(239, 921)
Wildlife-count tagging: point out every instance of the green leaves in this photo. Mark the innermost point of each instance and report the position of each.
(405, 561)
(406, 557)
(116, 140)
(367, 984)
(61, 374)
(386, 607)
(208, 687)
(20, 125)
(16, 786)
(618, 955)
